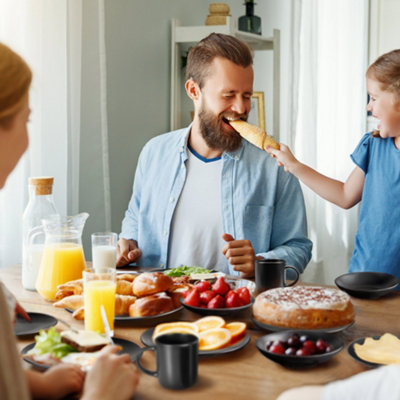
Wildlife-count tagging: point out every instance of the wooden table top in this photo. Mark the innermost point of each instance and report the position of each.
(245, 374)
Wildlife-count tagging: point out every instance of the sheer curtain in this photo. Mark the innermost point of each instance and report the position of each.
(47, 34)
(329, 98)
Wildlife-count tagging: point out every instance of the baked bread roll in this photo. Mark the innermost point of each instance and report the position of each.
(122, 304)
(73, 302)
(151, 282)
(304, 307)
(124, 287)
(151, 305)
(126, 277)
(254, 134)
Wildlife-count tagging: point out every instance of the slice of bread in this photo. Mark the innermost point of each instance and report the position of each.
(84, 341)
(254, 134)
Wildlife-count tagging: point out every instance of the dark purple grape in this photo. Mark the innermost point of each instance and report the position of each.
(290, 351)
(328, 348)
(303, 338)
(294, 341)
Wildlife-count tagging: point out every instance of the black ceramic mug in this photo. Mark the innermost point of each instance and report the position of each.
(271, 274)
(177, 360)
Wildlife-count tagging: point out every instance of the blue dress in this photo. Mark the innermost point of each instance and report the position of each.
(377, 244)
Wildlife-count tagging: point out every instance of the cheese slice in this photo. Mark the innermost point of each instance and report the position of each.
(385, 350)
(254, 134)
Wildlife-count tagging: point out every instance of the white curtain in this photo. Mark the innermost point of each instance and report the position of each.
(329, 55)
(47, 34)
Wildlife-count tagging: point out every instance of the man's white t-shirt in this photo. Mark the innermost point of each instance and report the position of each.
(197, 222)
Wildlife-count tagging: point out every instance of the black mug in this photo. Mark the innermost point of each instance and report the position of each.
(271, 274)
(177, 360)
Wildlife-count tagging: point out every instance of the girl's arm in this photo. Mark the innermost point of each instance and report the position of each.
(345, 195)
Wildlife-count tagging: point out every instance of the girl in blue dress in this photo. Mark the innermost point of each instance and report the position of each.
(376, 177)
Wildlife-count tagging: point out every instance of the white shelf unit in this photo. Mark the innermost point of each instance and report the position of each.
(185, 35)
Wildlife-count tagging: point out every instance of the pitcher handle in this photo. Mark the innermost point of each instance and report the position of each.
(34, 232)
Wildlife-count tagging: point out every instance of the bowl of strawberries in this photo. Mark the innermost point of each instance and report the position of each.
(224, 296)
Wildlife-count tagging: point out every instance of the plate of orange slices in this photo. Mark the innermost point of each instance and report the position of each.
(216, 337)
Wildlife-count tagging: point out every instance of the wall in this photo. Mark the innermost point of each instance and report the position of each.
(138, 88)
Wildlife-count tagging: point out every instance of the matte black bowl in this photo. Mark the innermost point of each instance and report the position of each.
(367, 285)
(299, 361)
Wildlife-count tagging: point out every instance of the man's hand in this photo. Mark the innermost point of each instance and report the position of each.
(240, 254)
(128, 252)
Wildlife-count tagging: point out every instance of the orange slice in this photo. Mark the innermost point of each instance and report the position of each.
(237, 329)
(214, 339)
(175, 327)
(175, 330)
(210, 322)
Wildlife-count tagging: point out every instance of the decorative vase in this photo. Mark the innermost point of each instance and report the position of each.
(250, 22)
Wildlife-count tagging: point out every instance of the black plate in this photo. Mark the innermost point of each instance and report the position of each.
(274, 328)
(38, 321)
(352, 353)
(127, 347)
(217, 311)
(367, 285)
(147, 340)
(298, 361)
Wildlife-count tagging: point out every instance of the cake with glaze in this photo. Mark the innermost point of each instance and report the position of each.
(304, 307)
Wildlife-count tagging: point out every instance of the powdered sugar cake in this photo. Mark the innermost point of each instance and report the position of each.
(304, 307)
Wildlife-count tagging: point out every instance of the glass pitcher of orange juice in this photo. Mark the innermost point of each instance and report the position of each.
(63, 258)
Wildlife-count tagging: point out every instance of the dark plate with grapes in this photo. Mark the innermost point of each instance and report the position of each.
(298, 349)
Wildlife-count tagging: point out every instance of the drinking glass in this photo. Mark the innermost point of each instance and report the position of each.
(104, 250)
(99, 289)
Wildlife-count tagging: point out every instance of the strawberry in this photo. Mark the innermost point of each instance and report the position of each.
(220, 286)
(202, 286)
(232, 300)
(244, 295)
(206, 296)
(186, 292)
(216, 302)
(193, 298)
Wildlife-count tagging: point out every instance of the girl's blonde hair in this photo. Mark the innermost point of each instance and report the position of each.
(386, 70)
(15, 79)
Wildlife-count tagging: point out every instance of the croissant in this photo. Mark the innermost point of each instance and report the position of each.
(79, 313)
(254, 134)
(73, 302)
(69, 288)
(122, 304)
(124, 287)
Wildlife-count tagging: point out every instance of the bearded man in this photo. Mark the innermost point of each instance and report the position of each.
(202, 195)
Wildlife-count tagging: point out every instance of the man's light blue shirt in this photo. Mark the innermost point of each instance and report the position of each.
(260, 202)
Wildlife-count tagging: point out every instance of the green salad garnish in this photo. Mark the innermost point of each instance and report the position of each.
(185, 270)
(50, 342)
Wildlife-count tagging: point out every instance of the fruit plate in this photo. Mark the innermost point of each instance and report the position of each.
(353, 354)
(293, 361)
(367, 285)
(126, 347)
(147, 339)
(273, 328)
(38, 321)
(217, 311)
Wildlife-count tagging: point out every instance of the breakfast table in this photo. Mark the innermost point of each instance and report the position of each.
(246, 373)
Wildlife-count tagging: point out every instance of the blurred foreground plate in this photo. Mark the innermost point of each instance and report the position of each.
(38, 321)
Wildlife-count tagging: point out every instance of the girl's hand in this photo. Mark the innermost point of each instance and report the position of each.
(284, 157)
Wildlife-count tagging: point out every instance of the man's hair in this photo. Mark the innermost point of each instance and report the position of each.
(214, 45)
(386, 70)
(15, 79)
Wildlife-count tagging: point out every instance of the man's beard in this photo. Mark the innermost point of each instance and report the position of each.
(210, 129)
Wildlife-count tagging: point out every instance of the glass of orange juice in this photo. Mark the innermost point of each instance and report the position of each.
(99, 289)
